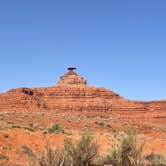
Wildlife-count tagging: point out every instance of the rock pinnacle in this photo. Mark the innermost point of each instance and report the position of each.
(71, 78)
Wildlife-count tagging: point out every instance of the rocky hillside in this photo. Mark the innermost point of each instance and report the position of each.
(69, 108)
(72, 93)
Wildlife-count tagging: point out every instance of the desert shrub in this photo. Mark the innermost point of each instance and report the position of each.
(3, 157)
(27, 150)
(56, 128)
(100, 123)
(124, 151)
(29, 128)
(110, 127)
(32, 157)
(52, 157)
(156, 159)
(83, 152)
(49, 157)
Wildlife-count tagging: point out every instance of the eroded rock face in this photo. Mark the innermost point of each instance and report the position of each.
(72, 93)
(71, 78)
(22, 99)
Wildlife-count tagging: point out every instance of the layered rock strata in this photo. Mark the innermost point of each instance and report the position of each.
(72, 93)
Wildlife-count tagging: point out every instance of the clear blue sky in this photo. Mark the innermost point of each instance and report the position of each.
(117, 44)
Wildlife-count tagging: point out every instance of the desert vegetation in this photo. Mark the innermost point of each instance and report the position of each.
(56, 128)
(125, 151)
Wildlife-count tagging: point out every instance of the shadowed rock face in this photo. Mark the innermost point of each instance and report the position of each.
(72, 93)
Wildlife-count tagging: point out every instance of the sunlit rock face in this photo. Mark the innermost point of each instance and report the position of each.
(71, 78)
(72, 93)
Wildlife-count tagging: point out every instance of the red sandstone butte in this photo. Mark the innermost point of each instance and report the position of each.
(72, 93)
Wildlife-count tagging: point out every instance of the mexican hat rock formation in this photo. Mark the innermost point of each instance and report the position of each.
(72, 93)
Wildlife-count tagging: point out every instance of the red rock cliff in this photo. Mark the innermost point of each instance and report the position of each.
(72, 93)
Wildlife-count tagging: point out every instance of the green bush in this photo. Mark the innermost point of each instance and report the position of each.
(100, 123)
(83, 152)
(56, 128)
(156, 160)
(52, 157)
(124, 151)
